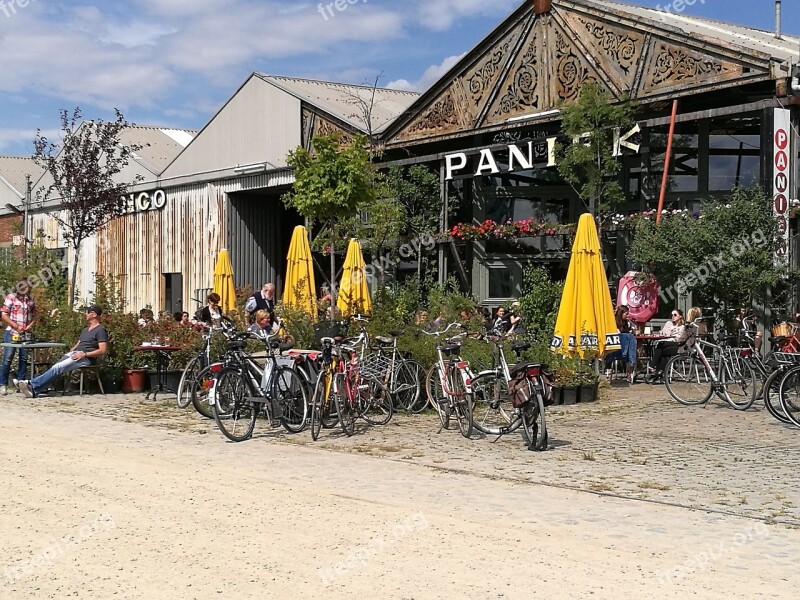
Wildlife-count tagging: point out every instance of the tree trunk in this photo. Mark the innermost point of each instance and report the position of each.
(333, 281)
(74, 278)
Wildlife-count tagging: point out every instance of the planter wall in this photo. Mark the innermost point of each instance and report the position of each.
(569, 395)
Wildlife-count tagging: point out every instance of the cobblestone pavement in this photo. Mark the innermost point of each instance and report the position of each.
(635, 442)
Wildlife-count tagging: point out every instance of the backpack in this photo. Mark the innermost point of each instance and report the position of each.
(518, 389)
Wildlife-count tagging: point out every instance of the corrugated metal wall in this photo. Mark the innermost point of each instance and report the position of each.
(255, 236)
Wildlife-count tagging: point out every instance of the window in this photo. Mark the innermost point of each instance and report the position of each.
(734, 148)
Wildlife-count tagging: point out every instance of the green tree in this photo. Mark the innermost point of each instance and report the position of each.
(588, 164)
(539, 302)
(417, 190)
(725, 256)
(332, 184)
(84, 170)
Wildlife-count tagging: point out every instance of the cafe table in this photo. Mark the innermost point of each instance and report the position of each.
(32, 347)
(162, 360)
(645, 345)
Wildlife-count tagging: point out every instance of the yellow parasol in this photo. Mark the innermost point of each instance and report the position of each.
(354, 298)
(223, 282)
(299, 290)
(585, 320)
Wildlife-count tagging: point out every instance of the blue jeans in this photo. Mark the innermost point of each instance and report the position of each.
(65, 365)
(627, 352)
(8, 356)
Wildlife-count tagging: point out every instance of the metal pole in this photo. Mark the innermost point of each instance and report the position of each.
(25, 215)
(665, 176)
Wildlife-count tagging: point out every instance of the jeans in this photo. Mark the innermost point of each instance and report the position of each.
(627, 352)
(8, 355)
(65, 365)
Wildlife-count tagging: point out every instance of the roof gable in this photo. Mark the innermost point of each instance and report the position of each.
(13, 170)
(533, 63)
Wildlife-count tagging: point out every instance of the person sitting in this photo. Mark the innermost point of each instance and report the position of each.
(264, 323)
(502, 322)
(92, 342)
(677, 333)
(185, 320)
(627, 343)
(145, 317)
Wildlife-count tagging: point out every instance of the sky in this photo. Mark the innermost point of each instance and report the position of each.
(174, 63)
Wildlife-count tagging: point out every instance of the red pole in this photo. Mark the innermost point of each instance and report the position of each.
(666, 161)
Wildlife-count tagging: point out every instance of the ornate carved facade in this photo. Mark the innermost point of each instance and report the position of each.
(533, 63)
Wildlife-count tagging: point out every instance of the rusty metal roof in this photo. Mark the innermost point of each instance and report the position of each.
(343, 100)
(13, 170)
(787, 48)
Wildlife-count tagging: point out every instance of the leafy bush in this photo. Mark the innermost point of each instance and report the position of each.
(539, 302)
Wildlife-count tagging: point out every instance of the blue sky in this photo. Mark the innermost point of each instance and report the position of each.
(175, 62)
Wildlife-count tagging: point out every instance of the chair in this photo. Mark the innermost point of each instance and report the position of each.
(82, 371)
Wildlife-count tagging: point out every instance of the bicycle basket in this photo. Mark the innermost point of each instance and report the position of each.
(374, 366)
(330, 329)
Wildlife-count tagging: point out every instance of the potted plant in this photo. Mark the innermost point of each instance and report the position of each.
(112, 379)
(567, 381)
(589, 384)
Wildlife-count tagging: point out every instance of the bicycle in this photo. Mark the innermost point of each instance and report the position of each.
(448, 382)
(327, 389)
(242, 389)
(190, 378)
(784, 361)
(366, 395)
(402, 376)
(692, 379)
(506, 397)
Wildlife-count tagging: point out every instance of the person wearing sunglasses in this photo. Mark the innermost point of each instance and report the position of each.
(676, 331)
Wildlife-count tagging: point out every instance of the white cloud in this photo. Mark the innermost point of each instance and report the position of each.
(431, 75)
(440, 15)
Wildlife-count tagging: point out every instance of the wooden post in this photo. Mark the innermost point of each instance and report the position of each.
(542, 6)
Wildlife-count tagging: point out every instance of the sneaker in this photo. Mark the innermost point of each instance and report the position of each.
(27, 389)
(3, 390)
(16, 384)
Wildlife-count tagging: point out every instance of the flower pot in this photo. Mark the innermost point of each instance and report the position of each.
(569, 395)
(588, 393)
(133, 380)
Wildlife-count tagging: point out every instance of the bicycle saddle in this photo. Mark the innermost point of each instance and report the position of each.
(520, 346)
(778, 339)
(285, 346)
(235, 345)
(395, 333)
(451, 349)
(383, 340)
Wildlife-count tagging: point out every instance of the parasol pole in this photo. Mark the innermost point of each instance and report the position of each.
(667, 158)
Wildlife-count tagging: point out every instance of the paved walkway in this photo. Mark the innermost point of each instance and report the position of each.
(635, 442)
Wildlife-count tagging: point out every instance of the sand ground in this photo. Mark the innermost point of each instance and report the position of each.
(120, 497)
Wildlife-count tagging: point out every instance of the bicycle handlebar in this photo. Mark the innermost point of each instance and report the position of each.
(442, 332)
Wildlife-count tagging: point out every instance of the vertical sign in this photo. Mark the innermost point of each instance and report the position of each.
(780, 183)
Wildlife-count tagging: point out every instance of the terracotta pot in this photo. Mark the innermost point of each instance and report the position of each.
(133, 380)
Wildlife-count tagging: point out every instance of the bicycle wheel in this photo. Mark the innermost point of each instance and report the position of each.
(739, 386)
(344, 409)
(772, 395)
(185, 385)
(462, 401)
(492, 410)
(234, 413)
(533, 419)
(406, 384)
(374, 400)
(199, 393)
(436, 396)
(687, 380)
(418, 372)
(790, 395)
(318, 404)
(288, 391)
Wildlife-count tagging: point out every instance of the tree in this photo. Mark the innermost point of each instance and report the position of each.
(724, 254)
(588, 163)
(332, 183)
(417, 190)
(84, 169)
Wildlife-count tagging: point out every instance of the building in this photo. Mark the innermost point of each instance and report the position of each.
(486, 126)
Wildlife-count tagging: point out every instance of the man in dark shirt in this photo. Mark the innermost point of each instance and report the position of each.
(263, 300)
(92, 342)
